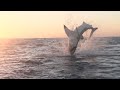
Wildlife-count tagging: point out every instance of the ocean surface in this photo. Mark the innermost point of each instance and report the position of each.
(48, 58)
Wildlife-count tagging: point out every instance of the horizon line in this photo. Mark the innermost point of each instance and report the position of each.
(50, 37)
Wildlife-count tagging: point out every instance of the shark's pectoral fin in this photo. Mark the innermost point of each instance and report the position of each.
(93, 30)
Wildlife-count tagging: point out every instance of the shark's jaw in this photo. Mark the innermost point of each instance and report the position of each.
(75, 36)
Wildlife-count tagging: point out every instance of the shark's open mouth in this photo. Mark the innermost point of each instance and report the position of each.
(76, 35)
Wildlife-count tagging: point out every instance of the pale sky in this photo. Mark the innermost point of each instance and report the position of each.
(49, 24)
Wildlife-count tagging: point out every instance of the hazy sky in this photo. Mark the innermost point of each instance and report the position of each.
(37, 24)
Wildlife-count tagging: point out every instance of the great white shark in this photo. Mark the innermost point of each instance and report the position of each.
(76, 35)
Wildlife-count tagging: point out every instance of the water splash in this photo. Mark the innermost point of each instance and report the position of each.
(89, 47)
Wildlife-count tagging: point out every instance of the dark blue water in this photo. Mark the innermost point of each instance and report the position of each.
(98, 58)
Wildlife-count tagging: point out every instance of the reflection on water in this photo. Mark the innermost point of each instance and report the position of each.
(98, 58)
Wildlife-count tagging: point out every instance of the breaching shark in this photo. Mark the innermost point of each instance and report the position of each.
(76, 35)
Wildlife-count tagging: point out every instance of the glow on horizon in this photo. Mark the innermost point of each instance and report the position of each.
(49, 24)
